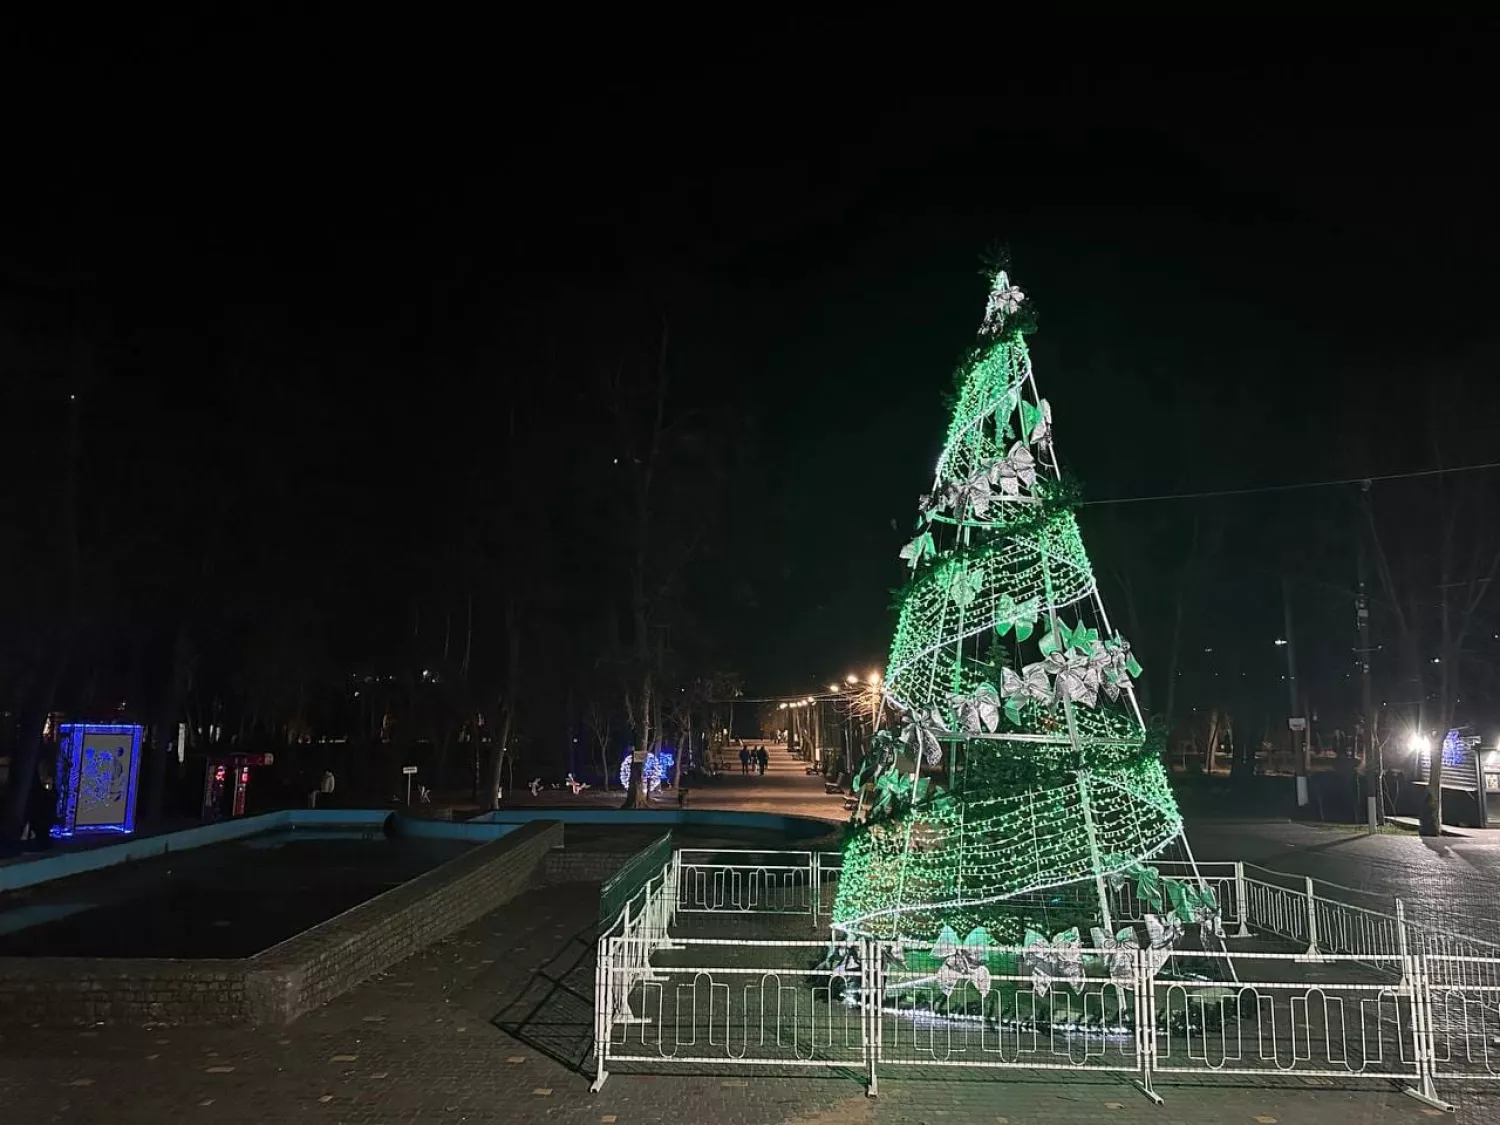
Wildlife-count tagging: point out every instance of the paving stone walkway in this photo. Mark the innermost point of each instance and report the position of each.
(493, 1025)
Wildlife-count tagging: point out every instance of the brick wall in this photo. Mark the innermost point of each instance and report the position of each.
(314, 967)
(82, 991)
(281, 983)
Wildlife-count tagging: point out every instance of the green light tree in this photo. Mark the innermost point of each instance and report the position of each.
(1015, 779)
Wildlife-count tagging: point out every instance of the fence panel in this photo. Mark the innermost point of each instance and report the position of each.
(626, 883)
(751, 882)
(1330, 1016)
(753, 1003)
(1463, 1016)
(936, 1010)
(1126, 906)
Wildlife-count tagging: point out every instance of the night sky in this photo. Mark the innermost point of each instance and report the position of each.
(1239, 264)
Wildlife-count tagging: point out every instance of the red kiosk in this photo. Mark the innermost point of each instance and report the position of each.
(232, 770)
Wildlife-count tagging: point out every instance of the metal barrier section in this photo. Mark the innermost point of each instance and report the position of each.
(741, 1003)
(1462, 998)
(1368, 995)
(757, 882)
(1289, 1016)
(935, 1013)
(1224, 879)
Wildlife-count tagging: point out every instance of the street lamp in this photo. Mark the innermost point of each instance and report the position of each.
(851, 678)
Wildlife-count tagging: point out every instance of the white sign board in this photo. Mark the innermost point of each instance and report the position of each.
(1296, 724)
(408, 769)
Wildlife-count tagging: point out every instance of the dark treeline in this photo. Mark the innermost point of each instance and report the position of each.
(501, 512)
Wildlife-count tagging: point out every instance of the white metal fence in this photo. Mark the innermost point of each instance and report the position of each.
(1366, 994)
(757, 882)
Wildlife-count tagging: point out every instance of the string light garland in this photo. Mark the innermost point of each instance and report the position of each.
(1016, 771)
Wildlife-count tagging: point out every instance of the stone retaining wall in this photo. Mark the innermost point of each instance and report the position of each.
(282, 982)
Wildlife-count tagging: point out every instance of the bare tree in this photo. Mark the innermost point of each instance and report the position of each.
(599, 720)
(1436, 549)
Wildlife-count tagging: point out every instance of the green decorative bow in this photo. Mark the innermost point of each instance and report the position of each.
(893, 791)
(1063, 636)
(1196, 904)
(922, 547)
(1147, 884)
(1020, 616)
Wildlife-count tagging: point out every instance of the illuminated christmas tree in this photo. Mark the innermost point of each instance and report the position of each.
(1015, 784)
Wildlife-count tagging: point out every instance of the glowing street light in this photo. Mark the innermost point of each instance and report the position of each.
(833, 687)
(1280, 642)
(874, 679)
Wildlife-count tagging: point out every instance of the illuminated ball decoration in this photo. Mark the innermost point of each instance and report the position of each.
(1015, 768)
(656, 769)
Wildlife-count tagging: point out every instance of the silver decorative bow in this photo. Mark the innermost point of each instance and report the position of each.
(1074, 678)
(978, 711)
(964, 586)
(1017, 468)
(921, 735)
(972, 494)
(1210, 918)
(1116, 665)
(960, 964)
(1118, 952)
(1203, 908)
(1031, 686)
(1162, 933)
(1040, 417)
(1004, 300)
(1063, 959)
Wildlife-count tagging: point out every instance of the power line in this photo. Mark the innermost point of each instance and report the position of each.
(1288, 487)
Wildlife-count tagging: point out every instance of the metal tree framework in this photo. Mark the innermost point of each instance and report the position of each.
(1016, 763)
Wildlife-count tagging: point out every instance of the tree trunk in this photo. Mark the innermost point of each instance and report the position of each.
(23, 764)
(155, 781)
(500, 750)
(1211, 753)
(635, 795)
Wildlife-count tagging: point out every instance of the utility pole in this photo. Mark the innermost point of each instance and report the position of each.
(1374, 754)
(1300, 759)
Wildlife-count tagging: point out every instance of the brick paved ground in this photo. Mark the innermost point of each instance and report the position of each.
(493, 1025)
(1444, 881)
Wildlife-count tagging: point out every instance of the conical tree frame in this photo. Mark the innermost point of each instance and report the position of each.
(1016, 766)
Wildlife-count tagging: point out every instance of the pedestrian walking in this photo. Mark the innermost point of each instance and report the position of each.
(761, 759)
(745, 760)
